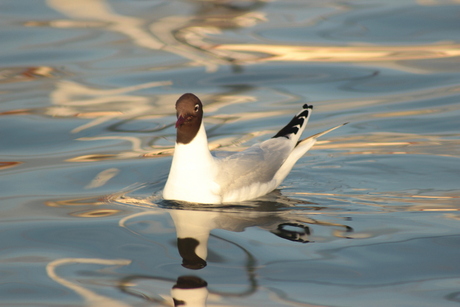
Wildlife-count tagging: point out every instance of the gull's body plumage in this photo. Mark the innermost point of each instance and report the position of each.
(198, 176)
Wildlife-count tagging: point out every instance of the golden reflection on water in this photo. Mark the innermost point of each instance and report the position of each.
(9, 164)
(91, 298)
(22, 74)
(386, 143)
(102, 178)
(437, 2)
(345, 54)
(72, 99)
(370, 144)
(166, 33)
(192, 38)
(96, 213)
(394, 202)
(85, 201)
(120, 198)
(92, 158)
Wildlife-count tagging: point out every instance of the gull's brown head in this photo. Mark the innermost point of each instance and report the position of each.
(189, 111)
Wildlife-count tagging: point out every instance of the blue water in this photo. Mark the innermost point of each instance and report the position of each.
(369, 217)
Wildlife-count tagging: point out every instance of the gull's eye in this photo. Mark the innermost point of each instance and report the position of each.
(197, 107)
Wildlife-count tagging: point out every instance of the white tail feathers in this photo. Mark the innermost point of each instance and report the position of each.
(301, 148)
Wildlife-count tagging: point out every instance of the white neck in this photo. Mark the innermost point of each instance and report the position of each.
(198, 146)
(192, 172)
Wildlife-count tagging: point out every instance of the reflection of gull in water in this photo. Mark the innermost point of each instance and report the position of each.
(193, 228)
(187, 291)
(194, 223)
(276, 214)
(190, 291)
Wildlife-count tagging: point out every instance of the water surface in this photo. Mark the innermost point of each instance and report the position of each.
(369, 217)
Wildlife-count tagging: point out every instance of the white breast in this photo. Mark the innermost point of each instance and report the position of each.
(192, 173)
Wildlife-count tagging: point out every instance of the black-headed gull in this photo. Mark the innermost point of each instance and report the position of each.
(197, 176)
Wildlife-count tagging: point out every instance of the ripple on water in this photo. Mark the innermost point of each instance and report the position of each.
(368, 217)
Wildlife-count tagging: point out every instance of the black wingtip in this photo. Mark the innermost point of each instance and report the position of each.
(296, 123)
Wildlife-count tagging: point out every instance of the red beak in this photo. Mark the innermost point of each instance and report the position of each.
(180, 121)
